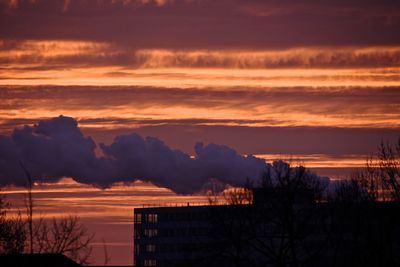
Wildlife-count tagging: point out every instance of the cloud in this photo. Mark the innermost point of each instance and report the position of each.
(286, 58)
(138, 106)
(64, 5)
(56, 148)
(32, 53)
(224, 164)
(151, 160)
(205, 24)
(51, 149)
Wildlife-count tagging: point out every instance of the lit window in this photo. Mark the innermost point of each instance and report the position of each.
(138, 218)
(150, 232)
(152, 218)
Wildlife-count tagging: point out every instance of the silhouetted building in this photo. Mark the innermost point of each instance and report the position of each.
(279, 229)
(172, 236)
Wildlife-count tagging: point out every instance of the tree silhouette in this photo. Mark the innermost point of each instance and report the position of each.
(64, 235)
(12, 231)
(381, 175)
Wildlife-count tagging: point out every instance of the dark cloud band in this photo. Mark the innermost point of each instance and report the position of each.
(205, 23)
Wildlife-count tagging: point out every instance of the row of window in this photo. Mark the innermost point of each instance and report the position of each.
(180, 216)
(149, 248)
(145, 218)
(146, 233)
(171, 232)
(169, 248)
(172, 263)
(149, 263)
(185, 216)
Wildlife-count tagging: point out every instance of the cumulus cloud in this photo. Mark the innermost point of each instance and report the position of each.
(56, 148)
(50, 150)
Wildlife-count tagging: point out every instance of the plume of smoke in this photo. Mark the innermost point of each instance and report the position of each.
(56, 148)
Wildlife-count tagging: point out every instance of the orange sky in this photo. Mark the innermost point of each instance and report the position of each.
(311, 82)
(108, 213)
(288, 87)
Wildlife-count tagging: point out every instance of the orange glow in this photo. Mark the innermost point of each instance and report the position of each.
(201, 78)
(124, 110)
(94, 63)
(63, 63)
(319, 160)
(85, 201)
(108, 213)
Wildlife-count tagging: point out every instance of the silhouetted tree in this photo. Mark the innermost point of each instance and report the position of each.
(381, 175)
(12, 231)
(277, 229)
(239, 195)
(64, 235)
(363, 230)
(284, 231)
(349, 191)
(229, 226)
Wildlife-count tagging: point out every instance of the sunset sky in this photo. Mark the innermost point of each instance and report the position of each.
(314, 82)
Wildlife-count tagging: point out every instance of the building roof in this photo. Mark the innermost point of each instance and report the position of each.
(42, 260)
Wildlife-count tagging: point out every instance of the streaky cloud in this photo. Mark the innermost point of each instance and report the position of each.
(30, 54)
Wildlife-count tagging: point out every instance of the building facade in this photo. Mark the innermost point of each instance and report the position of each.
(276, 230)
(172, 236)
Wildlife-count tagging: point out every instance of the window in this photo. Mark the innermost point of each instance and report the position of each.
(152, 218)
(151, 248)
(150, 232)
(138, 218)
(150, 263)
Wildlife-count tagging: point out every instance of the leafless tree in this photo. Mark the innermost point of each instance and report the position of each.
(381, 175)
(229, 230)
(239, 195)
(64, 235)
(277, 229)
(349, 191)
(12, 231)
(283, 233)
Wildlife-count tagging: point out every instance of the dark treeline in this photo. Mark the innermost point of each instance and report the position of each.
(294, 220)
